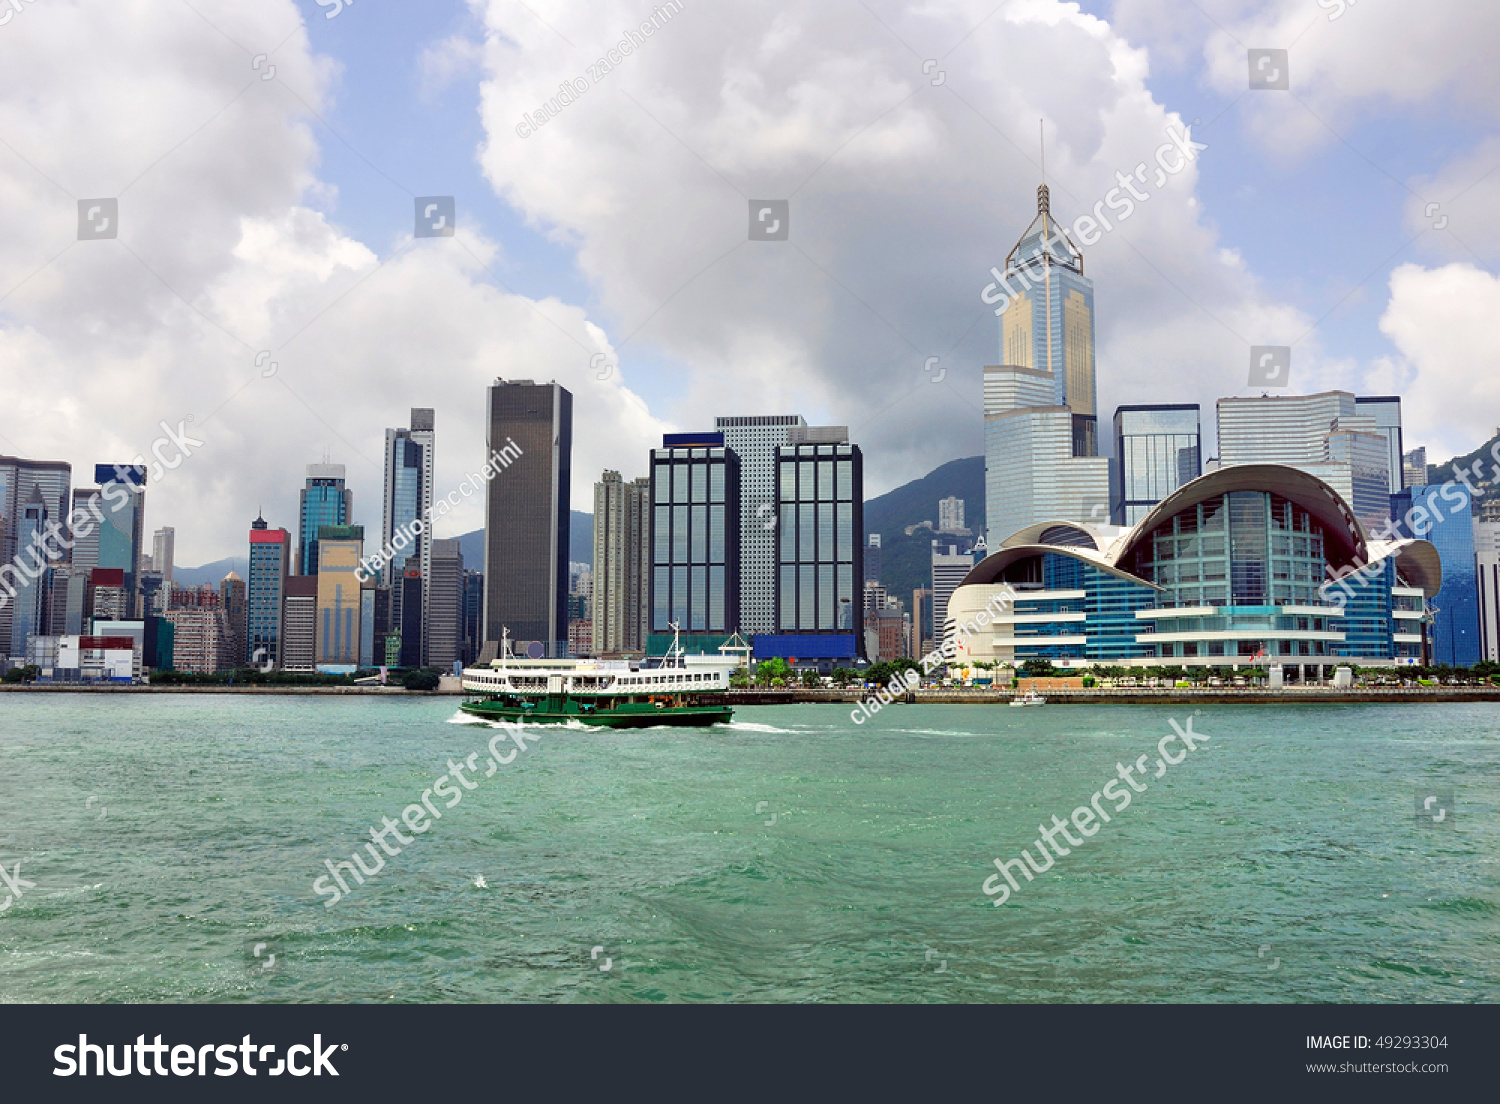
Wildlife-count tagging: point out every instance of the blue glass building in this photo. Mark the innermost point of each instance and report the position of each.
(325, 501)
(1248, 565)
(1445, 517)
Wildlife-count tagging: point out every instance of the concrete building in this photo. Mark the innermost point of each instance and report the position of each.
(622, 559)
(872, 558)
(1324, 435)
(754, 440)
(445, 614)
(163, 552)
(299, 641)
(1414, 467)
(951, 515)
(949, 567)
(1487, 565)
(200, 637)
(233, 601)
(528, 514)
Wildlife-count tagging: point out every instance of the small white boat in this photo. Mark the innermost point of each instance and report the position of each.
(1031, 697)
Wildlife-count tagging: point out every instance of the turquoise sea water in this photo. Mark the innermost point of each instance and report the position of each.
(1281, 861)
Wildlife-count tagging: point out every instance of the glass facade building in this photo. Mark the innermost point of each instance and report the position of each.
(695, 538)
(1327, 435)
(820, 546)
(325, 501)
(1247, 565)
(1048, 322)
(1157, 450)
(1444, 515)
(265, 593)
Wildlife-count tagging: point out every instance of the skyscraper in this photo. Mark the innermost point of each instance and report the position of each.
(325, 501)
(163, 551)
(527, 515)
(1487, 561)
(1386, 410)
(407, 499)
(265, 594)
(1447, 520)
(23, 568)
(696, 538)
(621, 560)
(232, 599)
(122, 489)
(1157, 449)
(1324, 435)
(1033, 469)
(1048, 322)
(754, 439)
(27, 606)
(820, 551)
(338, 551)
(951, 515)
(1414, 467)
(1041, 427)
(445, 611)
(299, 643)
(872, 558)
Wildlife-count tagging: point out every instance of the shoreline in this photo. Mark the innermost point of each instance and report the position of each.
(1093, 696)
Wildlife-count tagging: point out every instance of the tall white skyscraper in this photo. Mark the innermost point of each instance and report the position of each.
(1323, 435)
(163, 546)
(1032, 469)
(755, 439)
(950, 514)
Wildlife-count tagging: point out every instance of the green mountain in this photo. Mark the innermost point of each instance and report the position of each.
(906, 561)
(1488, 484)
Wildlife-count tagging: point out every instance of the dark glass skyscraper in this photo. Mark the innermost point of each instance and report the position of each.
(527, 513)
(820, 554)
(695, 535)
(325, 501)
(1157, 450)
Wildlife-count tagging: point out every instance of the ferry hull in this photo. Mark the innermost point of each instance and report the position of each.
(624, 715)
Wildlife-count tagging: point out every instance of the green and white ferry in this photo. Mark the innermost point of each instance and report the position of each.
(611, 693)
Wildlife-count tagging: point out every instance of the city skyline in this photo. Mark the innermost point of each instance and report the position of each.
(263, 304)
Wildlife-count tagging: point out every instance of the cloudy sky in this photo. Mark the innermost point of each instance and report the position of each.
(266, 158)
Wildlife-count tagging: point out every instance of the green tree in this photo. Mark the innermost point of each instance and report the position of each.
(769, 670)
(422, 678)
(811, 679)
